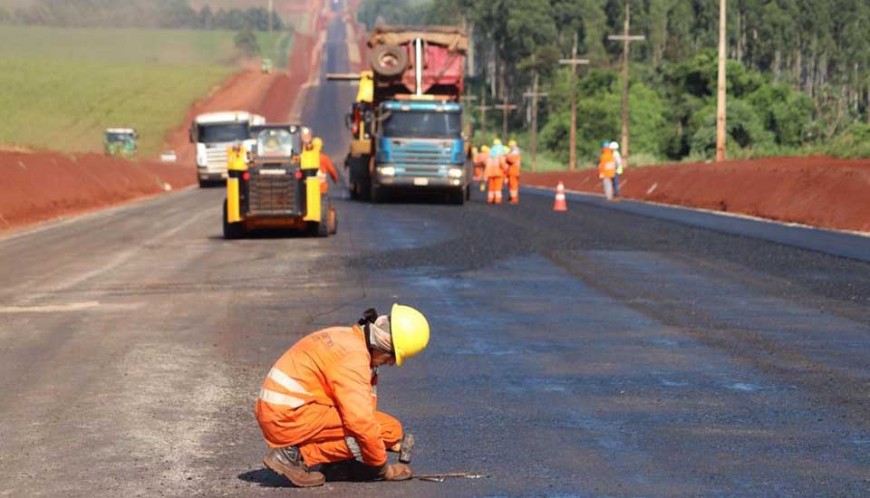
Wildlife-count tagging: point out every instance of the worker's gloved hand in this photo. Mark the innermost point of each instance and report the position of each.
(395, 472)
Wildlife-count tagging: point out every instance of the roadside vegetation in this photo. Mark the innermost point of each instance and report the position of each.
(63, 86)
(798, 72)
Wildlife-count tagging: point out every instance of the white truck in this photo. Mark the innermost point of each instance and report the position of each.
(212, 133)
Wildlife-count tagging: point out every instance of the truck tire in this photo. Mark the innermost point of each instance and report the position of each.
(376, 195)
(388, 60)
(232, 230)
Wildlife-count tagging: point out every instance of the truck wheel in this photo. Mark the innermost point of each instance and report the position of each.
(232, 230)
(375, 194)
(388, 60)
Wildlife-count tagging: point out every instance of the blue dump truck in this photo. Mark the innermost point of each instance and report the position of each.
(406, 121)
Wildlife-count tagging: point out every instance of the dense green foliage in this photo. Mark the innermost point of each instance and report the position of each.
(798, 71)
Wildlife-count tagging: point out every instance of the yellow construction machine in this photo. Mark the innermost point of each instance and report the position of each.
(276, 185)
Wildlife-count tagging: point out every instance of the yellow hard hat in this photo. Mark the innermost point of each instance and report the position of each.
(485, 148)
(496, 141)
(317, 142)
(410, 331)
(512, 143)
(474, 150)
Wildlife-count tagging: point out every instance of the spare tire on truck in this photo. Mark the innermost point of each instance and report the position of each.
(388, 60)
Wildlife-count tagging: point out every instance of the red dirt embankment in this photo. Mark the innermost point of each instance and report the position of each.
(817, 191)
(46, 185)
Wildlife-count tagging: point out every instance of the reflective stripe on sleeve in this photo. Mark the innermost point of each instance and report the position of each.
(287, 382)
(274, 398)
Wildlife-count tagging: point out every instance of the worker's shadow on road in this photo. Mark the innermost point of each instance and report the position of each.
(265, 478)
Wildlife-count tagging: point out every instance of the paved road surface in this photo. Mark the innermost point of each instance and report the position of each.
(588, 353)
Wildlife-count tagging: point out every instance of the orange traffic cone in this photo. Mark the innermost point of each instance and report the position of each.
(560, 204)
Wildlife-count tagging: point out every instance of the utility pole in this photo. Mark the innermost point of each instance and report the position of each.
(534, 94)
(720, 88)
(483, 108)
(572, 137)
(626, 38)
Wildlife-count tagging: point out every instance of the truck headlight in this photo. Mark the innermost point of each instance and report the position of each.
(387, 171)
(455, 173)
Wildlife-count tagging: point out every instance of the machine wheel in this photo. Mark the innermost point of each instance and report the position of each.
(232, 230)
(388, 60)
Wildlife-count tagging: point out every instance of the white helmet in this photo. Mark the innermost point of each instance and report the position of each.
(614, 146)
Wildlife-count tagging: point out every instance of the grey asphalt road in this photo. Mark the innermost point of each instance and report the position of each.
(594, 352)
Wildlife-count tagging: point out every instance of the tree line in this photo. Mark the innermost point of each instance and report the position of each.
(139, 13)
(798, 70)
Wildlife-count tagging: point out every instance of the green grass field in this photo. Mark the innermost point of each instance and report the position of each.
(62, 87)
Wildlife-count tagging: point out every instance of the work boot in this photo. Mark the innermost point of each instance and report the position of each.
(288, 462)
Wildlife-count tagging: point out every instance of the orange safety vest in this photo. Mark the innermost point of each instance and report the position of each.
(607, 163)
(325, 370)
(493, 167)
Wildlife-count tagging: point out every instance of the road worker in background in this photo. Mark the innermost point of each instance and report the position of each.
(326, 166)
(606, 169)
(617, 158)
(513, 161)
(318, 404)
(494, 172)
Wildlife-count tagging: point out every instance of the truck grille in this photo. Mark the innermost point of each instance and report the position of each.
(216, 159)
(272, 194)
(420, 159)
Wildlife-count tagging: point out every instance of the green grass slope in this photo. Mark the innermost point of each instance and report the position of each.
(62, 87)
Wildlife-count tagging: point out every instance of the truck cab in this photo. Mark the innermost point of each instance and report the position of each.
(420, 146)
(213, 133)
(120, 142)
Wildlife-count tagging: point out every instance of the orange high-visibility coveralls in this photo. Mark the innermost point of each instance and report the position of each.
(494, 174)
(321, 391)
(327, 168)
(513, 161)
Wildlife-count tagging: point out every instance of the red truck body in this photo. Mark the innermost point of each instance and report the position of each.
(442, 59)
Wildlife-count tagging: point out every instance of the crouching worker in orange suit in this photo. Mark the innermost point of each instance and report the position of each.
(317, 407)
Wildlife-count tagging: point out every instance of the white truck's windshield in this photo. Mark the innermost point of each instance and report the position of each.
(423, 124)
(223, 132)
